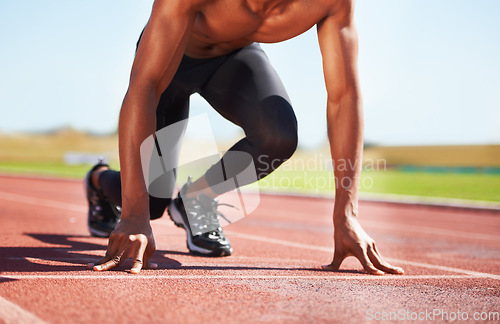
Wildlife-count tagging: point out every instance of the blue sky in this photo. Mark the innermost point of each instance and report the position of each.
(429, 70)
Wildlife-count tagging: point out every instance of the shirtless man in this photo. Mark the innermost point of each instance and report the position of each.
(211, 47)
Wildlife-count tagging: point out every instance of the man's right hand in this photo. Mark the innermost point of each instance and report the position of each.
(130, 239)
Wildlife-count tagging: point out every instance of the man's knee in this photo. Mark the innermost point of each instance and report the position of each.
(275, 148)
(278, 134)
(280, 143)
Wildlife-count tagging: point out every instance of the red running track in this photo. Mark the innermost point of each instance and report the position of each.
(451, 258)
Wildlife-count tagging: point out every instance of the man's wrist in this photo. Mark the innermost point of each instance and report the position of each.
(341, 219)
(136, 207)
(346, 206)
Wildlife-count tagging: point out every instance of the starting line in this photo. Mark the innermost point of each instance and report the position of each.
(362, 277)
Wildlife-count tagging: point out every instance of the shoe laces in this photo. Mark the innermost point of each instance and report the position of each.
(207, 215)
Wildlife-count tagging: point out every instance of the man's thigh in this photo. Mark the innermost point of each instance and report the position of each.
(243, 85)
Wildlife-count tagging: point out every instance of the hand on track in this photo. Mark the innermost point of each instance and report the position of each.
(352, 240)
(130, 239)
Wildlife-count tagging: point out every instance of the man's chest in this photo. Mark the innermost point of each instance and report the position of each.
(228, 21)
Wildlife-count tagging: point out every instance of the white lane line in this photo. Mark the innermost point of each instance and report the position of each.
(431, 230)
(330, 250)
(449, 269)
(56, 263)
(11, 313)
(280, 242)
(42, 202)
(235, 277)
(292, 215)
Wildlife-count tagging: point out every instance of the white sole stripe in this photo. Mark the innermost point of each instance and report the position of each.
(175, 215)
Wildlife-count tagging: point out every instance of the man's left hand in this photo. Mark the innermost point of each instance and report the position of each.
(352, 240)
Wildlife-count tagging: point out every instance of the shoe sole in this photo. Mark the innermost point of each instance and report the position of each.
(97, 233)
(176, 217)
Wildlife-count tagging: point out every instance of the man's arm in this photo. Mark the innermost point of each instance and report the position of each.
(338, 42)
(158, 56)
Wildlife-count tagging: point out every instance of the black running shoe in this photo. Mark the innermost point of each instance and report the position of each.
(200, 218)
(103, 215)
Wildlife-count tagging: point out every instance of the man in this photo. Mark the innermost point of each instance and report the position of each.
(210, 47)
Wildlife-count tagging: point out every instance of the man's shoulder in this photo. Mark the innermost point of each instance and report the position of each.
(341, 11)
(338, 7)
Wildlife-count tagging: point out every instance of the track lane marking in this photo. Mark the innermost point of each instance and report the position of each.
(11, 313)
(291, 215)
(445, 268)
(435, 231)
(330, 250)
(235, 277)
(42, 202)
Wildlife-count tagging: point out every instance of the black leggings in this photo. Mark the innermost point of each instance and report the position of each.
(245, 89)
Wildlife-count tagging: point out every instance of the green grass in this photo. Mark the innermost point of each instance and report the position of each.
(475, 186)
(49, 169)
(447, 185)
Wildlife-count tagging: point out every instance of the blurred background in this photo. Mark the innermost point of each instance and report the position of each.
(429, 73)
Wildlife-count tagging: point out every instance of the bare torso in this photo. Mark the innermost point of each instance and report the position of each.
(225, 25)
